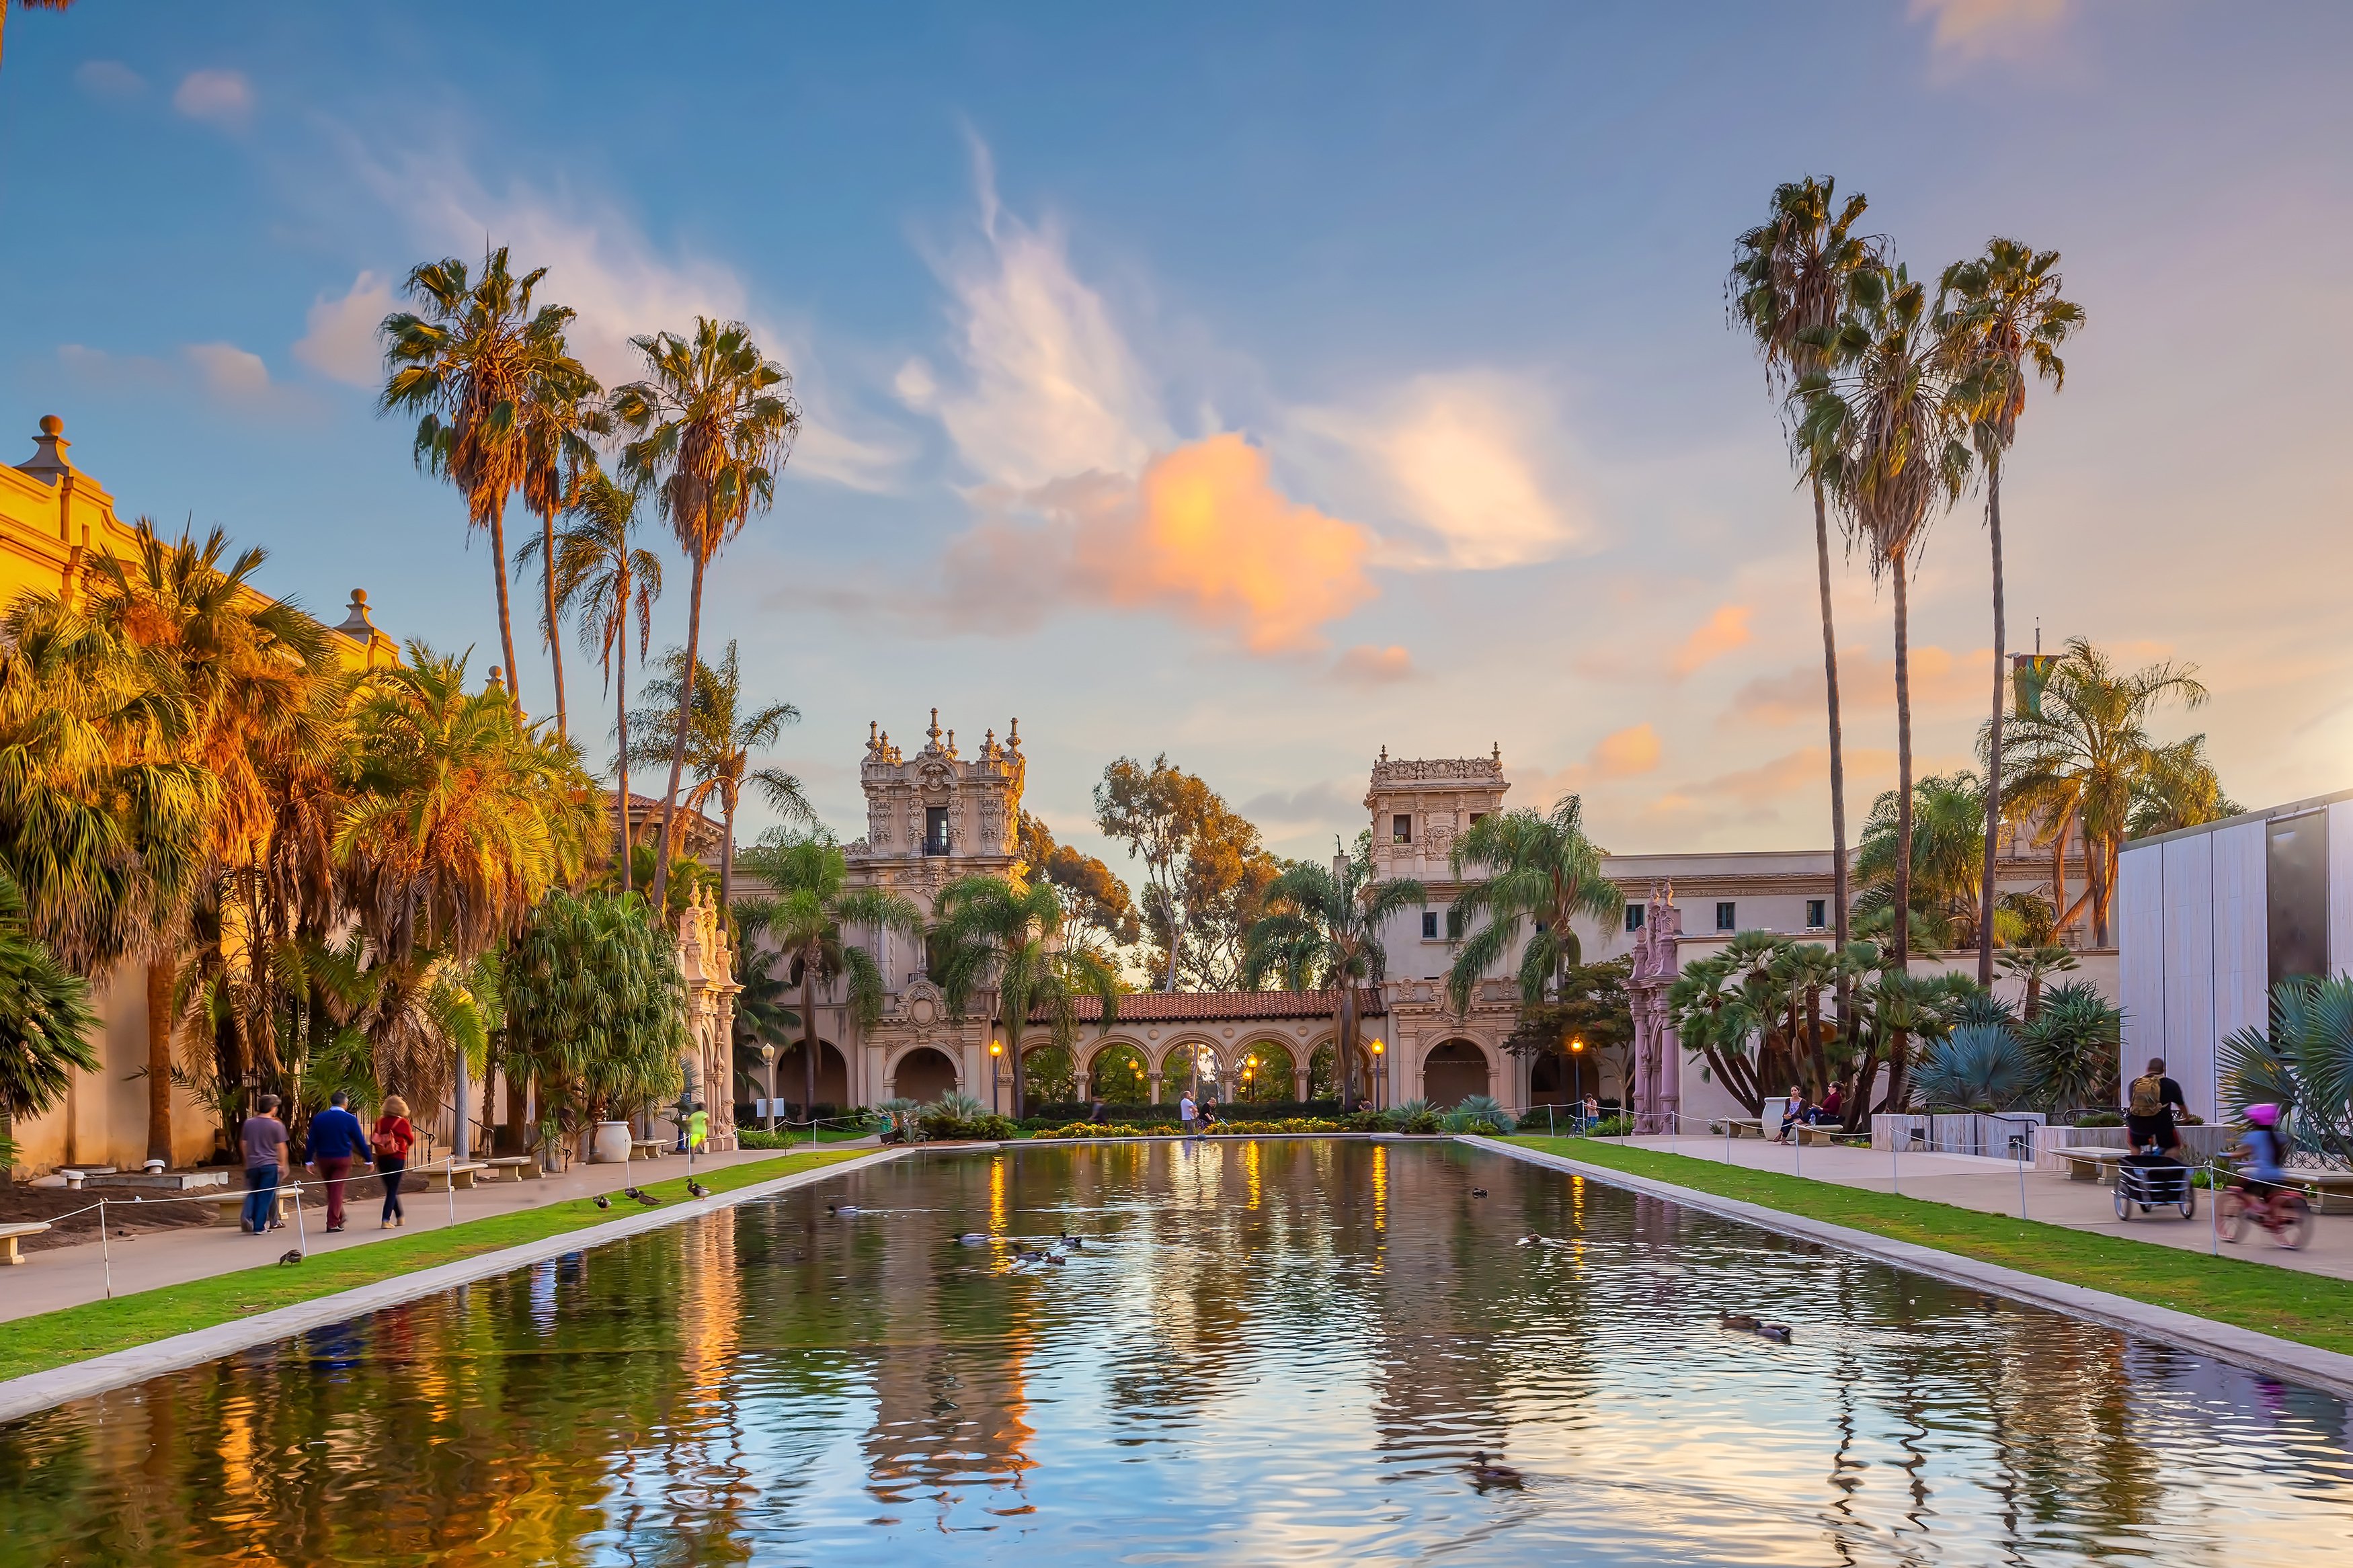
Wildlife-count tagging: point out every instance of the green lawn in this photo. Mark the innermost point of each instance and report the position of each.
(77, 1333)
(2313, 1309)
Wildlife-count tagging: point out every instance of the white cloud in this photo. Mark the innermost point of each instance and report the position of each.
(109, 79)
(342, 343)
(222, 97)
(228, 370)
(1368, 664)
(1977, 29)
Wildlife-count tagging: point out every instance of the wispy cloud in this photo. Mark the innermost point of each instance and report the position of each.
(228, 370)
(1368, 663)
(109, 79)
(1978, 29)
(1627, 753)
(221, 98)
(223, 370)
(342, 343)
(1722, 632)
(1940, 680)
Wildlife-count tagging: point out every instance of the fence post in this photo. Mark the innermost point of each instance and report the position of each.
(302, 1238)
(105, 1249)
(450, 1183)
(1895, 1157)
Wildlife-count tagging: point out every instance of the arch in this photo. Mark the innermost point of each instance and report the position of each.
(1050, 1074)
(1264, 1071)
(1452, 1072)
(1176, 1060)
(1558, 1079)
(1319, 1071)
(1120, 1074)
(923, 1073)
(791, 1077)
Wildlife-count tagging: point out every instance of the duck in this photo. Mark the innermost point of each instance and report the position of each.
(1741, 1320)
(644, 1197)
(1492, 1475)
(1531, 1239)
(1031, 1254)
(1777, 1333)
(973, 1238)
(290, 1255)
(696, 1188)
(842, 1211)
(1478, 1192)
(1072, 1242)
(601, 1201)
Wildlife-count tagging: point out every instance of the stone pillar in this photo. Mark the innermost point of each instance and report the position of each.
(1153, 1077)
(1299, 1084)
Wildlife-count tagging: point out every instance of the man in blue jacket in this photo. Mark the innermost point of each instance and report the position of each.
(337, 1142)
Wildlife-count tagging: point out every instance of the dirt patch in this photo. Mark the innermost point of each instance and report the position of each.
(128, 1220)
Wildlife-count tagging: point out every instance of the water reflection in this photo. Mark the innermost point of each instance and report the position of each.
(1261, 1351)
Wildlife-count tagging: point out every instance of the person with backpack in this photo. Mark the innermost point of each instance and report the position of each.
(2149, 1105)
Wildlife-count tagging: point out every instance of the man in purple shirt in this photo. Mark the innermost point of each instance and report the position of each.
(264, 1137)
(337, 1142)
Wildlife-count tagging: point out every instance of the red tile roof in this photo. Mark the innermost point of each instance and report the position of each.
(1223, 1006)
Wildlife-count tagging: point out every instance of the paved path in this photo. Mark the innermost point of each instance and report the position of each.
(1991, 1186)
(68, 1276)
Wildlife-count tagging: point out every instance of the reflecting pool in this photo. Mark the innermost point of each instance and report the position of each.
(1260, 1352)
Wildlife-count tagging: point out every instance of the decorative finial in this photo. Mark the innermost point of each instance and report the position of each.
(496, 684)
(52, 425)
(1013, 735)
(950, 742)
(935, 731)
(1385, 756)
(988, 742)
(873, 728)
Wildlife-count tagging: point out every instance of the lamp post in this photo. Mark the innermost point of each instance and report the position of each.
(1577, 1069)
(768, 1060)
(1380, 1075)
(996, 1050)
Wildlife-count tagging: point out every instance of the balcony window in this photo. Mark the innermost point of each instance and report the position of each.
(936, 830)
(1430, 925)
(1401, 828)
(1727, 916)
(1817, 914)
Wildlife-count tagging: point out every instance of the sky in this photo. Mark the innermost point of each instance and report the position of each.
(1264, 386)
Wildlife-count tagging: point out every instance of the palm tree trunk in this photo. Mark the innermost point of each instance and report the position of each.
(2096, 865)
(621, 762)
(1903, 918)
(160, 975)
(1993, 735)
(2059, 879)
(498, 521)
(678, 747)
(1013, 1055)
(809, 1040)
(727, 860)
(554, 642)
(1839, 892)
(1343, 1047)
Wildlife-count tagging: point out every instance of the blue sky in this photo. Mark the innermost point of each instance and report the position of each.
(1265, 392)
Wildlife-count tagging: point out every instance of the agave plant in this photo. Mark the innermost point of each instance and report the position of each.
(2304, 1064)
(1979, 1067)
(1479, 1113)
(2074, 1044)
(1413, 1116)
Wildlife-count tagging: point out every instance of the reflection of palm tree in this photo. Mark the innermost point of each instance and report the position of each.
(1536, 869)
(991, 928)
(1322, 929)
(1788, 289)
(710, 423)
(812, 905)
(2006, 321)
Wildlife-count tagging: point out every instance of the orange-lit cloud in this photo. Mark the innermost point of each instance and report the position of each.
(1940, 680)
(1365, 665)
(1973, 29)
(1723, 631)
(1627, 753)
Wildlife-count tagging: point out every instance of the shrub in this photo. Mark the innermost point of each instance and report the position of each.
(2073, 1045)
(2101, 1118)
(1611, 1127)
(1488, 1109)
(1413, 1116)
(1978, 1067)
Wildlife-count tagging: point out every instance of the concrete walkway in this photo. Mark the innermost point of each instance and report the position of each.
(70, 1276)
(1991, 1186)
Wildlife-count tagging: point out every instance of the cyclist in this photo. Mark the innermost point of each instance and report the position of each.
(2261, 1176)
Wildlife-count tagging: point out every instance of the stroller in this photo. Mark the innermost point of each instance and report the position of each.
(2152, 1179)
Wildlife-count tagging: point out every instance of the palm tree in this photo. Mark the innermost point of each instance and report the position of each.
(1011, 934)
(710, 423)
(1882, 427)
(606, 580)
(2031, 966)
(2177, 788)
(1948, 835)
(719, 746)
(1530, 868)
(468, 363)
(45, 1022)
(31, 5)
(1323, 930)
(2086, 755)
(813, 906)
(1788, 289)
(2002, 316)
(559, 413)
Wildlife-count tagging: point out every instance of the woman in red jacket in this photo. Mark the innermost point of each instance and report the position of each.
(392, 1139)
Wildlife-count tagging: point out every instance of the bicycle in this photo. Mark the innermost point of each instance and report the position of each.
(2286, 1215)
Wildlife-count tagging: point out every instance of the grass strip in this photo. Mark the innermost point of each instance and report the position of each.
(2311, 1308)
(95, 1328)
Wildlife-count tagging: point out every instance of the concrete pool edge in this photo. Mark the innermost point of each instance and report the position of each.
(35, 1392)
(2286, 1358)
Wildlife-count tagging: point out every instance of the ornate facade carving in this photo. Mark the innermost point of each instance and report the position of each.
(707, 966)
(1658, 1056)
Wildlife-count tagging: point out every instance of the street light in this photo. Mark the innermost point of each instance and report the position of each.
(995, 1049)
(1577, 1067)
(1380, 1073)
(768, 1058)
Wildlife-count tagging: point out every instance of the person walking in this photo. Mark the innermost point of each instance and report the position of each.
(1188, 1111)
(337, 1144)
(263, 1137)
(392, 1140)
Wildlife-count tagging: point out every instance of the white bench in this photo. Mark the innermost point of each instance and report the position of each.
(10, 1233)
(2090, 1162)
(513, 1168)
(647, 1148)
(229, 1207)
(1746, 1127)
(441, 1178)
(2331, 1192)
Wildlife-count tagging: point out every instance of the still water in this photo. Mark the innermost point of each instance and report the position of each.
(1261, 1353)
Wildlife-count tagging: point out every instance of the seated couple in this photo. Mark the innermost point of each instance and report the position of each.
(1798, 1113)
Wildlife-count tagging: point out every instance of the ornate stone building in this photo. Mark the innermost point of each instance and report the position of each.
(707, 961)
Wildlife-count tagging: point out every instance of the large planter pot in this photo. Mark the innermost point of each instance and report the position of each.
(611, 1143)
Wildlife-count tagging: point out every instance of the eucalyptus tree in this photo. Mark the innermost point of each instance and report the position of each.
(993, 932)
(1521, 869)
(562, 411)
(811, 912)
(1788, 289)
(1883, 428)
(720, 743)
(468, 362)
(2002, 317)
(710, 425)
(1323, 930)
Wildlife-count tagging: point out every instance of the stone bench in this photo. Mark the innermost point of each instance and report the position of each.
(441, 1178)
(2090, 1162)
(1740, 1127)
(2330, 1192)
(1830, 1135)
(513, 1168)
(10, 1233)
(228, 1208)
(647, 1148)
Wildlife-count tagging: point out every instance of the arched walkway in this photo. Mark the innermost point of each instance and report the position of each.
(1265, 1073)
(1118, 1076)
(791, 1077)
(1050, 1074)
(1557, 1079)
(1319, 1074)
(922, 1074)
(1452, 1073)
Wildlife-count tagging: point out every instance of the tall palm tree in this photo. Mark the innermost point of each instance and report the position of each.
(2086, 753)
(1520, 868)
(1880, 426)
(30, 6)
(1788, 289)
(45, 1022)
(2004, 320)
(606, 580)
(2177, 788)
(1322, 929)
(560, 411)
(813, 907)
(466, 362)
(720, 742)
(710, 425)
(1010, 934)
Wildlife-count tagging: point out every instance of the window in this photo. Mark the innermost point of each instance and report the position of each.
(1401, 828)
(1634, 916)
(1430, 925)
(1477, 817)
(1817, 914)
(1727, 916)
(936, 830)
